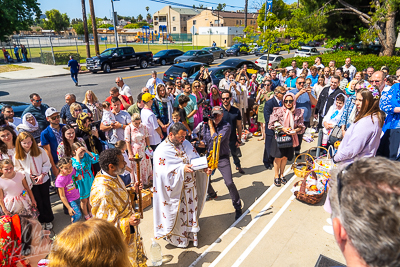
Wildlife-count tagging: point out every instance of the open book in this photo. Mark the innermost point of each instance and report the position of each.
(199, 163)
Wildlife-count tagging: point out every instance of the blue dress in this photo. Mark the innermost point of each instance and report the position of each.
(388, 102)
(84, 168)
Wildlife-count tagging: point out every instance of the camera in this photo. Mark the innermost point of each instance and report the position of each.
(207, 110)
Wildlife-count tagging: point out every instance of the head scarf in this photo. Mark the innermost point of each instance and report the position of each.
(10, 241)
(348, 89)
(288, 119)
(218, 101)
(27, 126)
(81, 118)
(160, 105)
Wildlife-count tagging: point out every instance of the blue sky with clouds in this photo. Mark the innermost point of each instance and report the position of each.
(132, 7)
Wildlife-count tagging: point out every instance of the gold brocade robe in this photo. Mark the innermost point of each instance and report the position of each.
(110, 201)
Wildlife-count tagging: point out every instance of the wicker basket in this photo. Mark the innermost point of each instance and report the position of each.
(302, 196)
(297, 165)
(327, 151)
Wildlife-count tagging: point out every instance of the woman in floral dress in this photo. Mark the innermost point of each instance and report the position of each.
(137, 139)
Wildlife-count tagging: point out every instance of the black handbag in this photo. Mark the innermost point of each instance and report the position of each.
(283, 140)
(336, 135)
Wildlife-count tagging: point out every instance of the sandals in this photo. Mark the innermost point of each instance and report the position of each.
(277, 182)
(284, 181)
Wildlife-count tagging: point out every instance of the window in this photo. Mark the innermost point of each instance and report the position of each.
(194, 22)
(163, 19)
(184, 28)
(251, 22)
(155, 18)
(173, 18)
(237, 22)
(184, 18)
(174, 29)
(216, 22)
(240, 22)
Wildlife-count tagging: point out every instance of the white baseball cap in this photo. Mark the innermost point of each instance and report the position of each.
(50, 111)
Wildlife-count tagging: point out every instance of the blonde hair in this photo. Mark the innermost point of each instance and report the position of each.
(135, 116)
(73, 107)
(93, 243)
(19, 150)
(94, 97)
(120, 144)
(175, 114)
(75, 146)
(4, 162)
(184, 74)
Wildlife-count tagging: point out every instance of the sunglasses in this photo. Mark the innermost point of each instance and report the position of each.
(197, 86)
(339, 178)
(375, 81)
(37, 101)
(55, 117)
(301, 82)
(288, 101)
(78, 110)
(242, 79)
(225, 98)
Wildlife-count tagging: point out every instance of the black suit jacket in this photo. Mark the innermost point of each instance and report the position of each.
(268, 108)
(324, 97)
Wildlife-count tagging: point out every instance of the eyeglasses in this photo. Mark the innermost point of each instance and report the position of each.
(118, 82)
(37, 101)
(55, 117)
(196, 86)
(375, 81)
(225, 98)
(339, 179)
(288, 101)
(170, 88)
(78, 110)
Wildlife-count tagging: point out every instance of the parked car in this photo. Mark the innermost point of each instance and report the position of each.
(17, 106)
(164, 57)
(273, 61)
(196, 55)
(306, 51)
(176, 70)
(216, 51)
(216, 73)
(238, 49)
(238, 63)
(367, 49)
(314, 43)
(117, 58)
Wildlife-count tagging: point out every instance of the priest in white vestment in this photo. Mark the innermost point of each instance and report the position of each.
(179, 193)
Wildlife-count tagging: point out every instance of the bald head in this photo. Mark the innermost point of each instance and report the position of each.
(377, 79)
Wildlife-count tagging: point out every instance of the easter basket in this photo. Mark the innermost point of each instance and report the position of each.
(301, 169)
(306, 193)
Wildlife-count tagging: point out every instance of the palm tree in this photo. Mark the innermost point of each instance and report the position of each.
(147, 8)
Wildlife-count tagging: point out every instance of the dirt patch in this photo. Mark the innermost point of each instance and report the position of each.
(8, 68)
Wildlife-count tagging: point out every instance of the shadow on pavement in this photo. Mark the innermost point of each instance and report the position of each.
(2, 93)
(187, 257)
(90, 84)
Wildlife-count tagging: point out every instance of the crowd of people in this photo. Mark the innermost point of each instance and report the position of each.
(20, 53)
(86, 151)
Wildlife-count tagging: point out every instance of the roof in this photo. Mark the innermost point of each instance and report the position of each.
(233, 62)
(234, 15)
(186, 11)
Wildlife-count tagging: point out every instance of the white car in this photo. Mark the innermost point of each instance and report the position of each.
(274, 61)
(306, 51)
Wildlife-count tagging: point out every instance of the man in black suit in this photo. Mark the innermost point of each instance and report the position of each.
(275, 101)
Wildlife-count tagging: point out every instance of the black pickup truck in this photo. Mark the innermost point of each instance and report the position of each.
(117, 58)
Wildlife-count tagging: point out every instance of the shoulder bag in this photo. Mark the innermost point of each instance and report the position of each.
(283, 140)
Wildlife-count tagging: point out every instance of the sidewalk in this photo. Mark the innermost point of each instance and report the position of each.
(38, 71)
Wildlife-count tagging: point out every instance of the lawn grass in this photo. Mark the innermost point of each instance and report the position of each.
(11, 67)
(35, 52)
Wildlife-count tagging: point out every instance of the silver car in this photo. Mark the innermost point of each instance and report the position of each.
(273, 62)
(306, 51)
(216, 51)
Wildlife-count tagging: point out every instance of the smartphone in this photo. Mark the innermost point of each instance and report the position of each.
(94, 128)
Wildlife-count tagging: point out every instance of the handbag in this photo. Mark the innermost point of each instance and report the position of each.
(283, 140)
(336, 135)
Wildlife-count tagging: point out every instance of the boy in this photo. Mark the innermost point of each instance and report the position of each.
(183, 101)
(108, 119)
(175, 119)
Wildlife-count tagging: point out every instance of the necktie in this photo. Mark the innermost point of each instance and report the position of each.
(280, 103)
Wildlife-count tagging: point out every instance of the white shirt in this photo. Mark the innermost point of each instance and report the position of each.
(352, 70)
(150, 85)
(319, 66)
(125, 90)
(150, 121)
(298, 71)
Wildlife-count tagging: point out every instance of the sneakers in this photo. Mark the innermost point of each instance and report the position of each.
(238, 213)
(48, 226)
(76, 84)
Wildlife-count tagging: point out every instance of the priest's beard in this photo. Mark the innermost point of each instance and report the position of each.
(120, 171)
(175, 141)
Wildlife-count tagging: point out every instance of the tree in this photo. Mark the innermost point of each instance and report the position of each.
(309, 23)
(221, 7)
(147, 9)
(106, 26)
(17, 15)
(140, 17)
(56, 21)
(279, 8)
(78, 27)
(76, 21)
(148, 17)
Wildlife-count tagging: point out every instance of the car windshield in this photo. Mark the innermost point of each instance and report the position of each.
(106, 52)
(206, 48)
(266, 58)
(175, 70)
(190, 53)
(304, 50)
(235, 46)
(161, 53)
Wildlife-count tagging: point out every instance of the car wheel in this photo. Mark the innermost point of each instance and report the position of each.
(132, 67)
(106, 68)
(237, 54)
(94, 72)
(163, 62)
(221, 55)
(143, 64)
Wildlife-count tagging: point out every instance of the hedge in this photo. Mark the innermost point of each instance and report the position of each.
(61, 58)
(357, 60)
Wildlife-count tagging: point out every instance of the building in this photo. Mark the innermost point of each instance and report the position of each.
(214, 18)
(223, 36)
(175, 19)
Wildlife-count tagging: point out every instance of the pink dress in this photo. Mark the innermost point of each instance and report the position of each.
(137, 138)
(16, 199)
(198, 116)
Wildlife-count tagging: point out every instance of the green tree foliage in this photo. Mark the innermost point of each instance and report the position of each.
(17, 15)
(137, 25)
(148, 17)
(76, 21)
(279, 8)
(221, 7)
(105, 26)
(147, 9)
(78, 27)
(56, 21)
(140, 17)
(309, 23)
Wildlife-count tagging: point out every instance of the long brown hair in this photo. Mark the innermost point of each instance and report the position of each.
(67, 147)
(19, 150)
(3, 146)
(370, 107)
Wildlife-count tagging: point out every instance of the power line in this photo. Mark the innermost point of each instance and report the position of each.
(213, 3)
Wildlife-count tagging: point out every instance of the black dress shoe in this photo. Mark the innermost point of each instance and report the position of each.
(211, 197)
(268, 167)
(238, 213)
(240, 170)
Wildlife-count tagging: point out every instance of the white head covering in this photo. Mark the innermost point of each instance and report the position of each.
(25, 125)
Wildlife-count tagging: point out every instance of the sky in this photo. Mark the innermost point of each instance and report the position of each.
(102, 8)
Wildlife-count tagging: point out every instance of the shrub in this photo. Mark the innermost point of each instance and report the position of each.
(61, 58)
(357, 60)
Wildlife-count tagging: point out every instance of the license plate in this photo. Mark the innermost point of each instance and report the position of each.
(171, 78)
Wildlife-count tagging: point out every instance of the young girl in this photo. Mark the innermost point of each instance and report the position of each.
(107, 120)
(82, 163)
(34, 161)
(15, 195)
(126, 177)
(66, 184)
(332, 117)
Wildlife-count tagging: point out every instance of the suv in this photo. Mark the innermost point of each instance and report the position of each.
(176, 70)
(237, 50)
(119, 57)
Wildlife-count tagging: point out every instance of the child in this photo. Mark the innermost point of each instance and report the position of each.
(184, 76)
(15, 195)
(82, 163)
(332, 117)
(107, 120)
(183, 102)
(66, 184)
(126, 177)
(175, 119)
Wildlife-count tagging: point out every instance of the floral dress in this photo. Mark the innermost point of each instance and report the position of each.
(84, 168)
(61, 148)
(137, 138)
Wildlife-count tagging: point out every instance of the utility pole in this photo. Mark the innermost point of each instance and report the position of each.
(94, 25)
(115, 23)
(246, 3)
(85, 29)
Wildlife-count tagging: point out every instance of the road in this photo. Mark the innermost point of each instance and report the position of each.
(53, 89)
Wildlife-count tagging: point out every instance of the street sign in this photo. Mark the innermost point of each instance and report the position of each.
(269, 5)
(193, 30)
